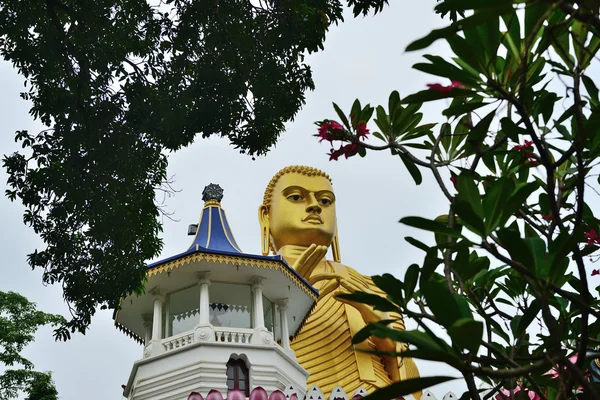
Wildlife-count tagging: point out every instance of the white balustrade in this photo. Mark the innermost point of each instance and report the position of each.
(222, 335)
(181, 340)
(232, 335)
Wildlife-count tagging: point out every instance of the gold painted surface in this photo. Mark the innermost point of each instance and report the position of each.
(221, 259)
(225, 259)
(298, 221)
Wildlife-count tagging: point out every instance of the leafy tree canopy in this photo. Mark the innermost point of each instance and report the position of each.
(19, 320)
(119, 83)
(509, 271)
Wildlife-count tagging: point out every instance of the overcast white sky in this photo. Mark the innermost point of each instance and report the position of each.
(363, 58)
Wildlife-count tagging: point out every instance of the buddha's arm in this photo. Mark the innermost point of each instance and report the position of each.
(399, 368)
(356, 282)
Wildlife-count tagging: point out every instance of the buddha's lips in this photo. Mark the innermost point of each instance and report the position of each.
(313, 217)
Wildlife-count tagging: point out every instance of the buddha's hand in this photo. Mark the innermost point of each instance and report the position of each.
(341, 285)
(337, 285)
(309, 259)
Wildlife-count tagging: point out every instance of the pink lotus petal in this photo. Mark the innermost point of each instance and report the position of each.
(235, 394)
(258, 393)
(277, 395)
(214, 395)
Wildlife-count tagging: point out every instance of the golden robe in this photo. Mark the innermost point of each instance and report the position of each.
(324, 344)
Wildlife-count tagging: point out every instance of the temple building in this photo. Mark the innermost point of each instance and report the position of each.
(217, 323)
(215, 318)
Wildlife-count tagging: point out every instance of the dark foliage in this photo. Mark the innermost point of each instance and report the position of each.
(119, 83)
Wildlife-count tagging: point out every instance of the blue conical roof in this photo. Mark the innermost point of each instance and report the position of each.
(213, 232)
(214, 236)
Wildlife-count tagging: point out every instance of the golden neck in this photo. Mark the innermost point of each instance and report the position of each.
(292, 251)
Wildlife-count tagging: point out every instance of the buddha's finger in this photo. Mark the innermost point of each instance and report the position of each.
(330, 287)
(366, 311)
(303, 257)
(352, 287)
(313, 260)
(321, 277)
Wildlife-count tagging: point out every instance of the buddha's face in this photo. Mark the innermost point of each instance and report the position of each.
(302, 211)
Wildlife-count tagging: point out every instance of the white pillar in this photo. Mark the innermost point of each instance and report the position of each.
(157, 317)
(167, 322)
(259, 314)
(285, 330)
(147, 318)
(204, 308)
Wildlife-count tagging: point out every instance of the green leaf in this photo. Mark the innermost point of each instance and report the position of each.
(533, 13)
(418, 244)
(411, 167)
(366, 113)
(461, 132)
(393, 103)
(544, 203)
(480, 132)
(411, 278)
(429, 225)
(406, 387)
(518, 198)
(468, 191)
(468, 204)
(559, 250)
(537, 248)
(431, 355)
(378, 302)
(513, 38)
(579, 33)
(441, 67)
(355, 113)
(342, 116)
(446, 136)
(390, 285)
(382, 121)
(510, 129)
(494, 202)
(469, 218)
(590, 52)
(417, 338)
(463, 306)
(472, 21)
(430, 95)
(590, 86)
(561, 43)
(490, 35)
(511, 240)
(466, 333)
(440, 301)
(467, 266)
(460, 109)
(528, 316)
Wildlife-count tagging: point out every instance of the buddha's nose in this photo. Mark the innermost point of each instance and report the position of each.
(313, 204)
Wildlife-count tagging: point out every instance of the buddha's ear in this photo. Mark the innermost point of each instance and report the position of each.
(263, 214)
(265, 231)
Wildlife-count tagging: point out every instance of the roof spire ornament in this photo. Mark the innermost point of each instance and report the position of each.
(212, 192)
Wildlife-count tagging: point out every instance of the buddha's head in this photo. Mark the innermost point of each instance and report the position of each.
(298, 209)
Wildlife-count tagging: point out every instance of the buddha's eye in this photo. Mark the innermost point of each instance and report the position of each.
(294, 197)
(325, 201)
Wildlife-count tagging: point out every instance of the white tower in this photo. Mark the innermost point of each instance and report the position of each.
(213, 317)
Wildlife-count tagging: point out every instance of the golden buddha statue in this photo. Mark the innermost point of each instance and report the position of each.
(298, 221)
